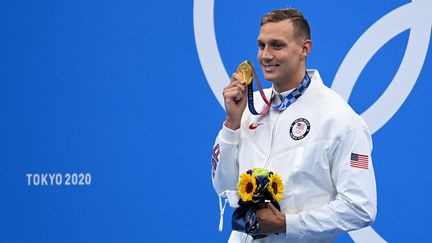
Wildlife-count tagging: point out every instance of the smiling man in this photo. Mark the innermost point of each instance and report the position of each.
(317, 143)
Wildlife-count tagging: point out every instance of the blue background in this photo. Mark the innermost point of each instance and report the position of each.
(116, 89)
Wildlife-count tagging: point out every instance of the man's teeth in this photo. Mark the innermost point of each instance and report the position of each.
(270, 67)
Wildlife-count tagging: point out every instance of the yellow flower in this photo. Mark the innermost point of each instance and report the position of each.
(246, 187)
(276, 187)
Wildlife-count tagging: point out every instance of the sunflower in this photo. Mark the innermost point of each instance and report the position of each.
(246, 187)
(276, 187)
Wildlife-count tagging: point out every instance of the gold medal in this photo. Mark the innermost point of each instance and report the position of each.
(245, 71)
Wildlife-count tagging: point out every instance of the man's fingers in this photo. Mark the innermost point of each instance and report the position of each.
(268, 209)
(235, 87)
(271, 207)
(236, 83)
(239, 86)
(237, 77)
(233, 95)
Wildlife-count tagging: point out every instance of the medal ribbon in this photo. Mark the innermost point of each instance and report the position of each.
(287, 101)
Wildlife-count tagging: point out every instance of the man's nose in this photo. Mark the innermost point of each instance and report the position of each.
(266, 54)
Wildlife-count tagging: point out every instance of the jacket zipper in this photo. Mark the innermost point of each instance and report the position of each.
(271, 141)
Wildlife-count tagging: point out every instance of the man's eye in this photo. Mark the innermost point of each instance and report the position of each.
(277, 45)
(261, 46)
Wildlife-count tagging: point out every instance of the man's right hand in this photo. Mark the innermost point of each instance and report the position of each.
(235, 101)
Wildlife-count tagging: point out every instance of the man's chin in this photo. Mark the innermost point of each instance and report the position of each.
(270, 78)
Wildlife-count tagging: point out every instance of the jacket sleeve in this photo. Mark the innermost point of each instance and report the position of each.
(355, 204)
(224, 160)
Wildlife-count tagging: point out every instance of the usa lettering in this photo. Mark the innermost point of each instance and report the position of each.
(215, 158)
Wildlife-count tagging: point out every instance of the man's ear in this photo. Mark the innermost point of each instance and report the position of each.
(307, 46)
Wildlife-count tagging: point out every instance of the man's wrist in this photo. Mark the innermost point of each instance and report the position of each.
(232, 125)
(282, 223)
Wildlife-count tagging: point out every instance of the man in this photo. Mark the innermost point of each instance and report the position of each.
(318, 144)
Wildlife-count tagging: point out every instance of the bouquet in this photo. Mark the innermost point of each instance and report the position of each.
(255, 187)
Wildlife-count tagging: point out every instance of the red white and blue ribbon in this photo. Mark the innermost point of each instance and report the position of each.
(286, 102)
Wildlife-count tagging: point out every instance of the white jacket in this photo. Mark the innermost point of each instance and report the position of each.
(322, 150)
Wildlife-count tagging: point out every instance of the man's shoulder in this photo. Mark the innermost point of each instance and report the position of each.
(342, 113)
(334, 109)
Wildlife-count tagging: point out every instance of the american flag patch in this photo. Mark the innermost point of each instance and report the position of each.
(359, 161)
(300, 125)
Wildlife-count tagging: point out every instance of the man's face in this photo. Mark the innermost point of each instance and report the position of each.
(279, 53)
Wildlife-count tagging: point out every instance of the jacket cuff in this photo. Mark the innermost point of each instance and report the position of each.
(228, 135)
(293, 226)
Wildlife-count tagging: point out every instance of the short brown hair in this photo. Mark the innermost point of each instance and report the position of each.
(300, 24)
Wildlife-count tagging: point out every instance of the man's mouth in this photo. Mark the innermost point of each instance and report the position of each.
(269, 68)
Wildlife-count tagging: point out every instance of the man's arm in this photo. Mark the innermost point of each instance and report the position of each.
(224, 155)
(224, 160)
(355, 203)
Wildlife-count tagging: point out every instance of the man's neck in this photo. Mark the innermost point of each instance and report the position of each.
(293, 82)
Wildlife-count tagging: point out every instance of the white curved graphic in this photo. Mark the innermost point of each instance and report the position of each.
(208, 52)
(415, 16)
